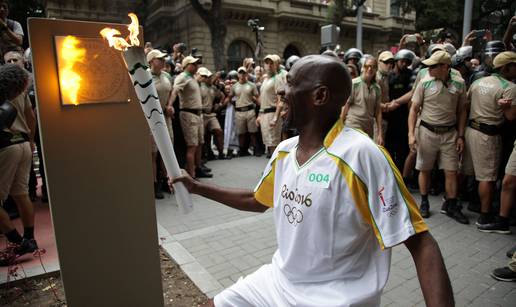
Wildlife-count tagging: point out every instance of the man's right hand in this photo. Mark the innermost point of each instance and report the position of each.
(258, 121)
(189, 183)
(412, 143)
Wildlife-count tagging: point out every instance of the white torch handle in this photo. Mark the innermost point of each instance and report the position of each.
(147, 95)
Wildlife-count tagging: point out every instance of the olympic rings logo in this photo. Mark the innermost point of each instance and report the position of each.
(294, 215)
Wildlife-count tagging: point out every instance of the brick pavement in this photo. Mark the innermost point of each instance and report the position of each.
(216, 245)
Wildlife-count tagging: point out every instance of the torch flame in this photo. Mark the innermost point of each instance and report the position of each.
(120, 43)
(69, 79)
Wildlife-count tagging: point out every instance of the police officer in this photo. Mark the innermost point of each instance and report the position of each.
(269, 116)
(490, 99)
(440, 99)
(363, 109)
(211, 124)
(396, 111)
(353, 56)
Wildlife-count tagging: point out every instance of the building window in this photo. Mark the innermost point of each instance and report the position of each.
(395, 8)
(238, 50)
(290, 50)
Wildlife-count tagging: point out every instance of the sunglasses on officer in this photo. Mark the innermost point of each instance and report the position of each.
(388, 62)
(369, 66)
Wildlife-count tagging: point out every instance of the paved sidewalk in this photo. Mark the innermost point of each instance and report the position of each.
(215, 245)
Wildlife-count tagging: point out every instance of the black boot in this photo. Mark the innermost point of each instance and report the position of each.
(455, 211)
(157, 191)
(200, 173)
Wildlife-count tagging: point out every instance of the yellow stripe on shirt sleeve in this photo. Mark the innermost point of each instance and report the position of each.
(264, 193)
(359, 192)
(415, 216)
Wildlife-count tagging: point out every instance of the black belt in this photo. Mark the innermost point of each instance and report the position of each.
(485, 128)
(245, 109)
(269, 110)
(437, 129)
(206, 111)
(7, 139)
(193, 111)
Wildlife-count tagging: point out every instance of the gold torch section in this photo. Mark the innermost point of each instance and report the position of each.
(70, 80)
(120, 43)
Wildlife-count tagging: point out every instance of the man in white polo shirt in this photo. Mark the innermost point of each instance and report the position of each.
(339, 205)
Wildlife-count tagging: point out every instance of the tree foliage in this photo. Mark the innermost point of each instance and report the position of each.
(490, 14)
(339, 9)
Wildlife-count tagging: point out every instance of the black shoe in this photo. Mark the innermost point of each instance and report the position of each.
(157, 191)
(511, 252)
(497, 226)
(223, 157)
(26, 246)
(444, 207)
(9, 255)
(200, 173)
(243, 153)
(210, 156)
(424, 209)
(483, 220)
(268, 156)
(457, 215)
(205, 169)
(504, 274)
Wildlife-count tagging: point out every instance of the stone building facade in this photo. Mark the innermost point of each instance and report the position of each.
(291, 26)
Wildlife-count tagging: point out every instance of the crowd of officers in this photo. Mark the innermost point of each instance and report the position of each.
(445, 112)
(438, 110)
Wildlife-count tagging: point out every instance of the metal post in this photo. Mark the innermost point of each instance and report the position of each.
(468, 9)
(359, 27)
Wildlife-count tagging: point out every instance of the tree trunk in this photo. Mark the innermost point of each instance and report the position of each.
(215, 21)
(218, 36)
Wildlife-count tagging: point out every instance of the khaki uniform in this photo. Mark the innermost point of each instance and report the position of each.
(190, 98)
(438, 104)
(16, 160)
(423, 73)
(245, 120)
(510, 169)
(208, 94)
(163, 87)
(363, 103)
(268, 98)
(482, 154)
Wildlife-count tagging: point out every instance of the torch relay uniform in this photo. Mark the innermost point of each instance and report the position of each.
(336, 218)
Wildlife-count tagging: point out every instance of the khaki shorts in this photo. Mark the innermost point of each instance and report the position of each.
(170, 132)
(211, 122)
(431, 146)
(510, 169)
(482, 155)
(246, 122)
(193, 128)
(15, 164)
(271, 135)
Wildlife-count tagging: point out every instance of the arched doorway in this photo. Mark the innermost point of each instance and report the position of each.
(290, 50)
(238, 50)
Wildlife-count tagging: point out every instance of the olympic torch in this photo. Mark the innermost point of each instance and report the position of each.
(134, 57)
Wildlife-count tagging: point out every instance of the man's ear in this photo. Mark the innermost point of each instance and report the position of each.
(321, 96)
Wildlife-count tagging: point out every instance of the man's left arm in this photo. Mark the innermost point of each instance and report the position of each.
(431, 271)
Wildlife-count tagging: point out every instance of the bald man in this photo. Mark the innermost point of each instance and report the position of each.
(339, 206)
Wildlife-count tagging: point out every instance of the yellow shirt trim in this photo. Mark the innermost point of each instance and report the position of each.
(265, 192)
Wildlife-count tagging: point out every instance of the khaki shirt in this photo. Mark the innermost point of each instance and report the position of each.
(20, 103)
(439, 102)
(363, 103)
(189, 91)
(163, 87)
(244, 93)
(483, 96)
(270, 88)
(208, 94)
(383, 81)
(423, 73)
